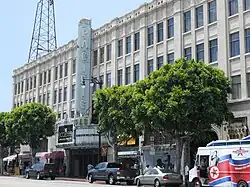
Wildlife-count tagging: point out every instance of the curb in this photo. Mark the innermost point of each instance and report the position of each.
(78, 180)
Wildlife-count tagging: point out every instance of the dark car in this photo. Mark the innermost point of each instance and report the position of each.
(111, 172)
(41, 171)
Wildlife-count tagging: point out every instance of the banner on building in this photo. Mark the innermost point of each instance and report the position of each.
(83, 67)
(65, 134)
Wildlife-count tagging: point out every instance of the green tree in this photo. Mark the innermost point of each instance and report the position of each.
(113, 107)
(185, 98)
(3, 137)
(34, 122)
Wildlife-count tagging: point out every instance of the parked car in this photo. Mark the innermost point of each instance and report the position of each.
(112, 173)
(41, 171)
(159, 177)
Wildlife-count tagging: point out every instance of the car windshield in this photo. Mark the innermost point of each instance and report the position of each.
(166, 171)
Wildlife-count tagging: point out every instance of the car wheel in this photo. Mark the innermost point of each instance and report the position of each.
(90, 178)
(130, 182)
(27, 176)
(53, 178)
(38, 177)
(138, 182)
(157, 183)
(196, 183)
(242, 184)
(111, 180)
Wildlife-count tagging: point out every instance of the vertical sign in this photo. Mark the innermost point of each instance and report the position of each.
(83, 67)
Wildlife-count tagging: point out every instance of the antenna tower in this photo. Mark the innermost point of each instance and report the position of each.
(43, 38)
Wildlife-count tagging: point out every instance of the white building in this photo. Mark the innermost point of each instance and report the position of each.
(130, 47)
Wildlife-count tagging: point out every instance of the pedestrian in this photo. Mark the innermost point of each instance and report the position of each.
(186, 172)
(64, 170)
(146, 169)
(21, 167)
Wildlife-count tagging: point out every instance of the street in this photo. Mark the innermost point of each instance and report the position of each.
(21, 182)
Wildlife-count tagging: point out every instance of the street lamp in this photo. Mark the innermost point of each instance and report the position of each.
(95, 81)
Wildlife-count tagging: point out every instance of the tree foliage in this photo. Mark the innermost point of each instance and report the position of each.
(33, 122)
(184, 98)
(113, 106)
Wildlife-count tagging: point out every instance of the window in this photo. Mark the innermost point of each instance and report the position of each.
(34, 99)
(233, 7)
(137, 41)
(101, 78)
(236, 87)
(22, 87)
(95, 57)
(109, 52)
(18, 87)
(136, 72)
(188, 53)
(200, 52)
(128, 75)
(213, 51)
(15, 89)
(120, 48)
(45, 77)
(150, 66)
(102, 55)
(48, 98)
(73, 91)
(60, 96)
(27, 85)
(61, 71)
(247, 40)
(246, 4)
(56, 73)
(40, 79)
(187, 21)
(171, 58)
(39, 99)
(108, 83)
(170, 27)
(248, 84)
(212, 11)
(35, 81)
(159, 62)
(150, 35)
(160, 34)
(72, 114)
(234, 44)
(119, 77)
(128, 44)
(31, 81)
(74, 66)
(199, 16)
(65, 94)
(44, 98)
(49, 76)
(55, 96)
(66, 69)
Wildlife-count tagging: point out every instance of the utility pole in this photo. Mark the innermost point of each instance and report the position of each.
(43, 39)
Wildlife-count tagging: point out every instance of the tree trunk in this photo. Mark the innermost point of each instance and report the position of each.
(1, 160)
(178, 154)
(33, 155)
(115, 149)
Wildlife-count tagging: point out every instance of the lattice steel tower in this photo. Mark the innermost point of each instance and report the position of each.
(43, 38)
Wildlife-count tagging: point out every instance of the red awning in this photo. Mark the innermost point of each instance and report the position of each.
(56, 154)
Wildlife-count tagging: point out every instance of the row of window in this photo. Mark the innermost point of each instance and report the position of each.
(234, 39)
(44, 78)
(233, 6)
(236, 86)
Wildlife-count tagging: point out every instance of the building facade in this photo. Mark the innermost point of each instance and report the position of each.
(130, 47)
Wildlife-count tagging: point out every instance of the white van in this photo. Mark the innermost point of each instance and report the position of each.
(222, 163)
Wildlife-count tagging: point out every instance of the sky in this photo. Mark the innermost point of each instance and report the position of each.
(16, 24)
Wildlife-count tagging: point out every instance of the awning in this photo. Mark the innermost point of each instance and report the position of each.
(56, 154)
(42, 155)
(127, 154)
(9, 158)
(13, 157)
(246, 138)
